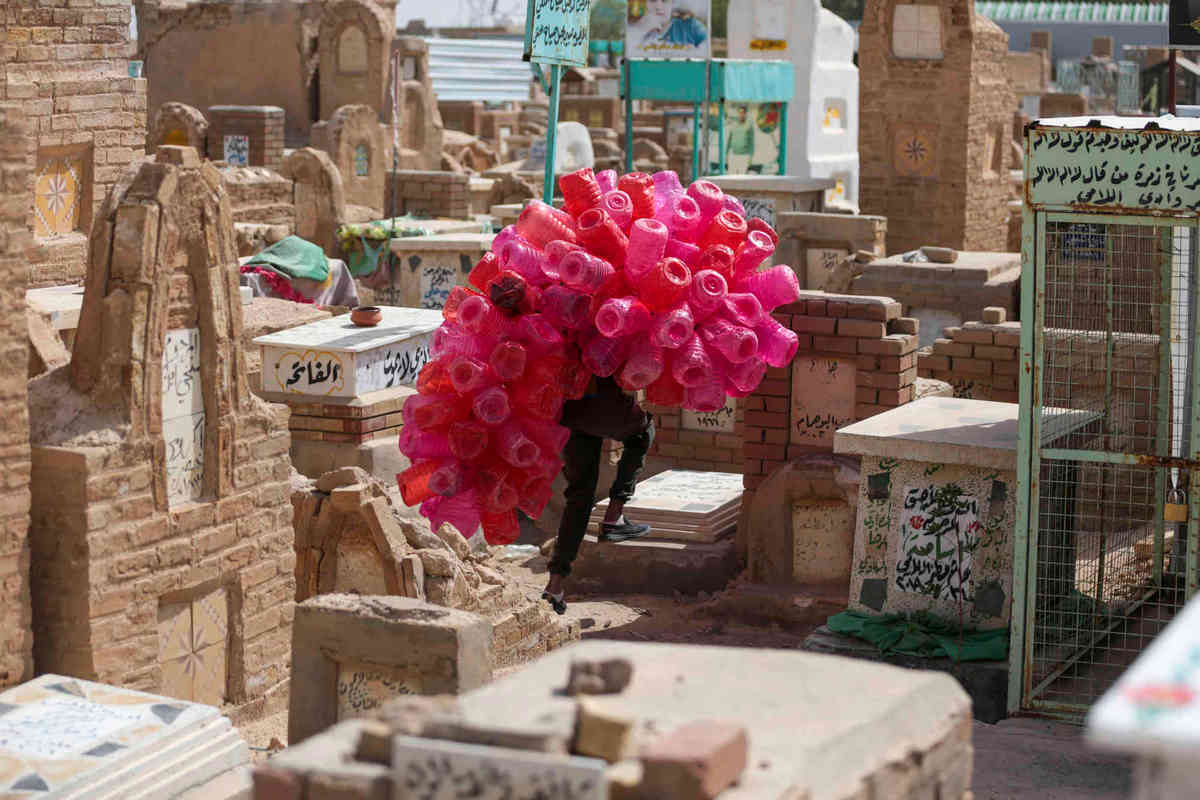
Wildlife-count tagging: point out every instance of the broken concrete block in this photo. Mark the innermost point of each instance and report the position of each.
(599, 677)
(374, 742)
(551, 732)
(412, 571)
(695, 762)
(602, 733)
(408, 715)
(348, 499)
(276, 784)
(940, 255)
(434, 768)
(454, 540)
(346, 476)
(325, 766)
(437, 563)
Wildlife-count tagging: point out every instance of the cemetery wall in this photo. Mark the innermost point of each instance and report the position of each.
(68, 69)
(694, 440)
(428, 193)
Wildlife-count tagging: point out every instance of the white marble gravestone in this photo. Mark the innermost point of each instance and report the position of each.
(723, 420)
(335, 358)
(183, 415)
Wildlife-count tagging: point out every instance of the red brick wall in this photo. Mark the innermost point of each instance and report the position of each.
(695, 449)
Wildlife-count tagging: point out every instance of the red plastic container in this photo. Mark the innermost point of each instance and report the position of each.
(435, 378)
(538, 335)
(477, 314)
(604, 356)
(468, 439)
(619, 207)
(516, 448)
(727, 228)
(647, 244)
(665, 285)
(580, 191)
(508, 360)
(500, 528)
(555, 251)
(709, 198)
(599, 233)
(708, 293)
(457, 295)
(622, 316)
(757, 248)
(759, 224)
(414, 482)
(565, 307)
(718, 258)
(468, 375)
(686, 220)
(433, 411)
(540, 224)
(491, 406)
(461, 511)
(583, 271)
(484, 270)
(543, 401)
(642, 368)
(640, 188)
(665, 391)
(449, 478)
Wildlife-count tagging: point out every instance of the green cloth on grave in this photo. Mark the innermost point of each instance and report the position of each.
(922, 634)
(294, 257)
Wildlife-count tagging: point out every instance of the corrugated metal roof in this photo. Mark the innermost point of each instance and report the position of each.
(1088, 12)
(478, 69)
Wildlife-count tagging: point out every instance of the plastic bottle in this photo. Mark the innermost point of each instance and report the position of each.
(734, 342)
(580, 191)
(434, 378)
(619, 207)
(414, 482)
(743, 308)
(542, 401)
(756, 249)
(468, 375)
(484, 270)
(691, 365)
(642, 368)
(672, 328)
(524, 259)
(777, 344)
(535, 497)
(607, 179)
(491, 406)
(555, 251)
(666, 185)
(550, 437)
(731, 203)
(540, 224)
(461, 511)
(417, 444)
(708, 293)
(599, 233)
(433, 411)
(478, 315)
(747, 375)
(500, 528)
(622, 316)
(640, 188)
(538, 335)
(773, 287)
(584, 271)
(665, 391)
(498, 493)
(455, 299)
(604, 356)
(647, 243)
(565, 307)
(686, 221)
(709, 198)
(727, 228)
(449, 478)
(574, 378)
(455, 340)
(664, 285)
(468, 439)
(706, 397)
(516, 448)
(718, 258)
(687, 253)
(508, 360)
(512, 294)
(759, 224)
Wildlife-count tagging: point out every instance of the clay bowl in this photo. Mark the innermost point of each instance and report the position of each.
(366, 316)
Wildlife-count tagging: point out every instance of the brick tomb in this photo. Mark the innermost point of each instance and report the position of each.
(161, 530)
(246, 136)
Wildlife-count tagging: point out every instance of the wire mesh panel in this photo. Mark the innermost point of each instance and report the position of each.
(1115, 351)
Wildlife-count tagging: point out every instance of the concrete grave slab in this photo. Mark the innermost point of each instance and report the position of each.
(684, 504)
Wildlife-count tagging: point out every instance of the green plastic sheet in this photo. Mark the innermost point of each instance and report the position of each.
(294, 257)
(923, 635)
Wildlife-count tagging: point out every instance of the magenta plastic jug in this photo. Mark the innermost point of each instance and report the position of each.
(642, 368)
(734, 342)
(665, 285)
(607, 180)
(540, 224)
(687, 223)
(691, 365)
(491, 406)
(622, 316)
(516, 448)
(478, 315)
(687, 253)
(460, 511)
(706, 397)
(555, 251)
(777, 345)
(647, 243)
(773, 287)
(538, 335)
(757, 248)
(468, 375)
(746, 376)
(565, 307)
(708, 293)
(709, 198)
(604, 356)
(584, 271)
(508, 360)
(417, 444)
(468, 439)
(455, 340)
(449, 478)
(731, 203)
(672, 328)
(619, 207)
(525, 260)
(743, 308)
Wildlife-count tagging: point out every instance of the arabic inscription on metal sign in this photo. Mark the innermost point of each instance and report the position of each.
(556, 32)
(1109, 169)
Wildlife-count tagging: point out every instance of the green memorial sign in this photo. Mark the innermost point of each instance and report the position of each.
(556, 32)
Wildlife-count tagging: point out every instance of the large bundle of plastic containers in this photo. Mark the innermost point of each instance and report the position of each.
(638, 279)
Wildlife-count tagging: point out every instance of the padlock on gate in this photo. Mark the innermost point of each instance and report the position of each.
(1176, 509)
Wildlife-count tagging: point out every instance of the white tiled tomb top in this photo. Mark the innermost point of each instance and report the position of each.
(685, 491)
(340, 335)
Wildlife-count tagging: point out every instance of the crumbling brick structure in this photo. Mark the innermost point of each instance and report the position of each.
(936, 107)
(16, 652)
(68, 68)
(161, 528)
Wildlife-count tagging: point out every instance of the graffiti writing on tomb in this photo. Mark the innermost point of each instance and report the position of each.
(723, 420)
(361, 688)
(183, 417)
(310, 372)
(760, 208)
(823, 396)
(939, 531)
(436, 283)
(397, 365)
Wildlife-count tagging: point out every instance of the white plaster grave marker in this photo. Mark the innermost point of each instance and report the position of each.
(183, 415)
(723, 420)
(823, 396)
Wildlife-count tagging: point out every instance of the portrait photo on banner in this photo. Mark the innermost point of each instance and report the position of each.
(669, 29)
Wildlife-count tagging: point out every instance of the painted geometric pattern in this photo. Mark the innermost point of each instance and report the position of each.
(57, 733)
(56, 195)
(192, 647)
(913, 151)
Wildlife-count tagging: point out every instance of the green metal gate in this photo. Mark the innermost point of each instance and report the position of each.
(1110, 438)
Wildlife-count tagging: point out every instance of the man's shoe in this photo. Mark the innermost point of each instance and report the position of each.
(557, 602)
(622, 531)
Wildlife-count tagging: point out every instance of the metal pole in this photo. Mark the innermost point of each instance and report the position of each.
(783, 138)
(552, 132)
(628, 68)
(696, 141)
(707, 102)
(1171, 63)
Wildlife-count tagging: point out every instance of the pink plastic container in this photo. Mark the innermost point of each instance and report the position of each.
(734, 342)
(555, 251)
(759, 224)
(580, 191)
(607, 180)
(540, 224)
(622, 316)
(665, 284)
(417, 444)
(599, 233)
(541, 401)
(743, 308)
(499, 495)
(707, 397)
(457, 295)
(718, 258)
(604, 356)
(454, 340)
(516, 448)
(691, 365)
(508, 360)
(535, 498)
(584, 271)
(665, 391)
(757, 248)
(479, 316)
(731, 203)
(666, 184)
(538, 335)
(565, 307)
(687, 253)
(709, 198)
(468, 375)
(449, 478)
(460, 511)
(640, 188)
(727, 228)
(619, 207)
(647, 243)
(524, 259)
(550, 437)
(773, 287)
(708, 293)
(491, 406)
(687, 221)
(642, 368)
(746, 376)
(500, 528)
(777, 345)
(434, 411)
(434, 378)
(671, 329)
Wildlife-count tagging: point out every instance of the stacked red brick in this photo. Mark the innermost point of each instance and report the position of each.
(868, 328)
(695, 449)
(979, 359)
(429, 194)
